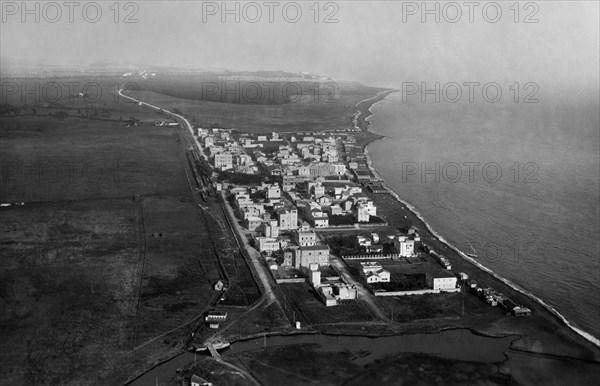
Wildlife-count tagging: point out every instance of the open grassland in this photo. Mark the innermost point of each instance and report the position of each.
(306, 364)
(181, 267)
(108, 260)
(69, 274)
(45, 159)
(91, 96)
(310, 310)
(304, 114)
(257, 104)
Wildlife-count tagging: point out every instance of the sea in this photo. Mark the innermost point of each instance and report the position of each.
(516, 184)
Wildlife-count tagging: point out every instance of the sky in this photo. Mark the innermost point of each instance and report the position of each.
(381, 43)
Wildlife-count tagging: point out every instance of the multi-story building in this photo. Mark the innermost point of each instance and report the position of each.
(305, 237)
(273, 192)
(224, 161)
(288, 219)
(253, 223)
(316, 254)
(318, 191)
(362, 214)
(405, 246)
(209, 141)
(267, 244)
(443, 280)
(319, 218)
(271, 229)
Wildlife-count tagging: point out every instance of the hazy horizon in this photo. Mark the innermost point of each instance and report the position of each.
(370, 44)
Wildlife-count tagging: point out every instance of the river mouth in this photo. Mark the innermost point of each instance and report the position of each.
(456, 344)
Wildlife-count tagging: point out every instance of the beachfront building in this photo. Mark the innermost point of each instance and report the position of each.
(405, 246)
(442, 280)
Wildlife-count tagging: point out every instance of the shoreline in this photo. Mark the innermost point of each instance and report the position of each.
(551, 309)
(363, 120)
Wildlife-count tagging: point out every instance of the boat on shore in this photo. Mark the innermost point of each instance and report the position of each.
(473, 253)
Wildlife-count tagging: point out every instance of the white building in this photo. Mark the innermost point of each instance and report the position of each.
(318, 254)
(320, 218)
(267, 244)
(405, 246)
(224, 161)
(362, 241)
(288, 218)
(209, 141)
(315, 275)
(305, 237)
(273, 192)
(443, 280)
(362, 213)
(374, 272)
(271, 229)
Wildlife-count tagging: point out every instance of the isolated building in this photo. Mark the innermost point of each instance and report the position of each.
(442, 280)
(214, 318)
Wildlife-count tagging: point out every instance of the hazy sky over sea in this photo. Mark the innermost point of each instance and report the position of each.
(369, 42)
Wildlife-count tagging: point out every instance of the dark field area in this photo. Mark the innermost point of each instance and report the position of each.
(108, 253)
(69, 280)
(305, 365)
(297, 365)
(302, 115)
(416, 307)
(84, 95)
(311, 311)
(45, 159)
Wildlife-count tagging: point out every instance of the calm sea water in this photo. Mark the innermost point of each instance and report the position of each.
(517, 183)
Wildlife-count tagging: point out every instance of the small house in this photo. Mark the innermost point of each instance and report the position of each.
(214, 318)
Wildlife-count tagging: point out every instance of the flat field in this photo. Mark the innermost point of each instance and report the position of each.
(311, 311)
(305, 114)
(47, 159)
(107, 254)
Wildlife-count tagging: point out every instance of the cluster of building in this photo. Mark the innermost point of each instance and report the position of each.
(285, 221)
(494, 298)
(404, 246)
(226, 152)
(331, 289)
(276, 225)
